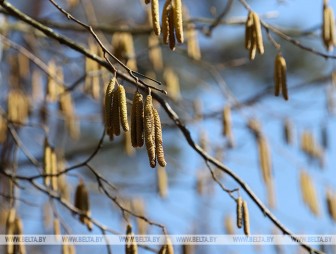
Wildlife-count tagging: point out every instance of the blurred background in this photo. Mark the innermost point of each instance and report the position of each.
(198, 90)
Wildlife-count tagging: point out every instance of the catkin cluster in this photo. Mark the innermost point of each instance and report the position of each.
(153, 134)
(172, 23)
(243, 215)
(82, 204)
(115, 109)
(280, 77)
(253, 35)
(309, 193)
(328, 27)
(50, 166)
(14, 226)
(131, 247)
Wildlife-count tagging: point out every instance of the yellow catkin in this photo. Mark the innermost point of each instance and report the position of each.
(308, 193)
(53, 171)
(155, 16)
(108, 104)
(47, 162)
(173, 84)
(51, 84)
(162, 182)
(249, 31)
(57, 228)
(228, 223)
(165, 21)
(123, 49)
(140, 120)
(138, 206)
(280, 76)
(10, 228)
(264, 158)
(21, 249)
(3, 129)
(171, 33)
(123, 108)
(154, 53)
(258, 34)
(328, 27)
(149, 131)
(193, 48)
(170, 247)
(270, 194)
(23, 66)
(330, 204)
(246, 219)
(158, 139)
(239, 212)
(82, 203)
(178, 20)
(227, 122)
(115, 117)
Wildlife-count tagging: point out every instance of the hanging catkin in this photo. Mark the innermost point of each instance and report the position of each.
(239, 212)
(280, 78)
(131, 247)
(246, 218)
(178, 21)
(108, 104)
(158, 139)
(47, 162)
(140, 120)
(82, 204)
(165, 21)
(264, 158)
(149, 131)
(123, 107)
(328, 27)
(258, 34)
(162, 182)
(155, 16)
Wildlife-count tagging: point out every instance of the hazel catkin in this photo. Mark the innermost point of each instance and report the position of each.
(158, 139)
(149, 131)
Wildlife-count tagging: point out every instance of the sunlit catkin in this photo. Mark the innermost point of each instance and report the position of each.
(280, 76)
(239, 212)
(57, 228)
(178, 20)
(149, 131)
(154, 52)
(123, 107)
(165, 21)
(155, 16)
(3, 129)
(133, 122)
(264, 158)
(228, 223)
(158, 139)
(173, 83)
(328, 27)
(108, 104)
(258, 34)
(227, 122)
(246, 218)
(140, 120)
(193, 48)
(47, 162)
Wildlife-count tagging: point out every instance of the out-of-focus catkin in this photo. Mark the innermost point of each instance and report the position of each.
(280, 76)
(82, 203)
(264, 158)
